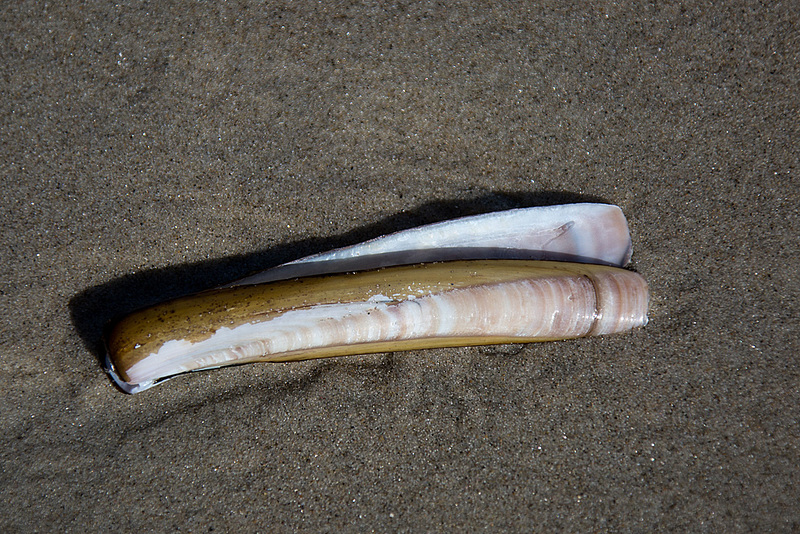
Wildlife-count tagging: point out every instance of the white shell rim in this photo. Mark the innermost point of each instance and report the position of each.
(126, 387)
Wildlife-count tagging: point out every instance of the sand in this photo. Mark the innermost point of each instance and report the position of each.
(154, 149)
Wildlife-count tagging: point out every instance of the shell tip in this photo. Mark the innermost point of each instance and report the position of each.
(124, 386)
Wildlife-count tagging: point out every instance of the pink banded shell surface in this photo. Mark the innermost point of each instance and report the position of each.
(399, 308)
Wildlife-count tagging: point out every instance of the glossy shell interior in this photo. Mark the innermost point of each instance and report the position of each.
(582, 233)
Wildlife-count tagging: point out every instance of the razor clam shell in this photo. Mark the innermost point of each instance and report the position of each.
(583, 233)
(429, 305)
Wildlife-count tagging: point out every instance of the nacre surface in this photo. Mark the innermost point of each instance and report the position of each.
(583, 233)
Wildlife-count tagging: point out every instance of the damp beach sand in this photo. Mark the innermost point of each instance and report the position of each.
(150, 150)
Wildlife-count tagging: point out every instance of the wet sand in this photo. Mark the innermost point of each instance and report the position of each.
(153, 150)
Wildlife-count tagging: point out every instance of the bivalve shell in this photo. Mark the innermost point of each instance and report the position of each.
(427, 305)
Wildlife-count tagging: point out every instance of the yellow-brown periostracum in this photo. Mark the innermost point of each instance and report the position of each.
(427, 305)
